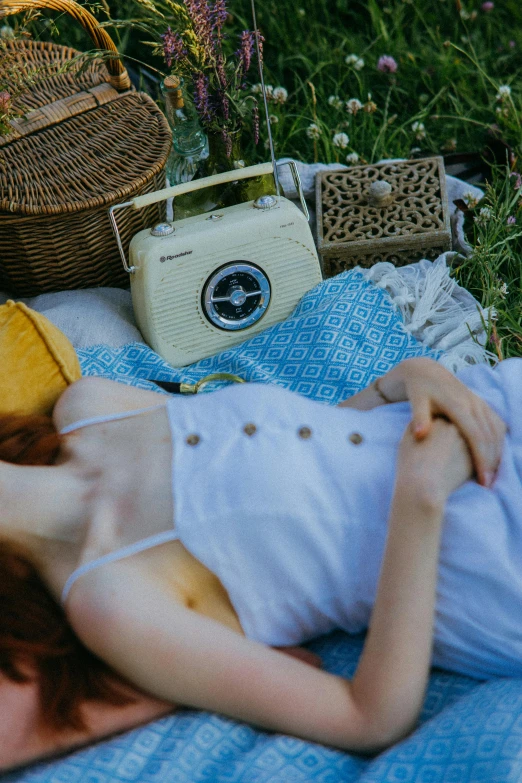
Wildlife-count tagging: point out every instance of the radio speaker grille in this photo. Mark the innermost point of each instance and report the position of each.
(291, 267)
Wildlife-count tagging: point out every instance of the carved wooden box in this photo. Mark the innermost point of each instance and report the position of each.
(361, 220)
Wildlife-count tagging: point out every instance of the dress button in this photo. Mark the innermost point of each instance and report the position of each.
(249, 429)
(192, 440)
(304, 433)
(355, 438)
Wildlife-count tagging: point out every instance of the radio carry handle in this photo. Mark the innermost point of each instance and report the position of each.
(139, 202)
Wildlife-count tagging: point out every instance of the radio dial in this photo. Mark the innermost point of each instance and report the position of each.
(236, 295)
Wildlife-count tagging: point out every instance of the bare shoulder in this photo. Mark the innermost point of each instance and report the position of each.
(99, 396)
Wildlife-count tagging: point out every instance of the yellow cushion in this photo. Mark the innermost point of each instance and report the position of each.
(37, 361)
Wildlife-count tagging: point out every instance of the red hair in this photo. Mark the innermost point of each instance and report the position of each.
(36, 641)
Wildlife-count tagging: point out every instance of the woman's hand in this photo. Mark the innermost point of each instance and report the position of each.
(433, 391)
(436, 465)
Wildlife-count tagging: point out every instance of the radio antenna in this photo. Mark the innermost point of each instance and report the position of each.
(265, 102)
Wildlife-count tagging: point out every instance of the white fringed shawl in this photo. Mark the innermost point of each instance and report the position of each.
(436, 310)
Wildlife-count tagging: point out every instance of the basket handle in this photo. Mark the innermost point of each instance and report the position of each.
(119, 78)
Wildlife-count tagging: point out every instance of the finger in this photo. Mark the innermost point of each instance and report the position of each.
(492, 442)
(421, 416)
(474, 424)
(496, 431)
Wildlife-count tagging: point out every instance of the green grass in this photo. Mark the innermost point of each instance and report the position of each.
(493, 273)
(451, 63)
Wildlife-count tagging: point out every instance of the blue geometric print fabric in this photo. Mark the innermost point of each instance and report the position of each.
(469, 732)
(342, 335)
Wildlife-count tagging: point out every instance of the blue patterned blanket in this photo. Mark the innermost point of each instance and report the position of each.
(344, 333)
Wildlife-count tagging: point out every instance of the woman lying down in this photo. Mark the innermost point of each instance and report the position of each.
(186, 538)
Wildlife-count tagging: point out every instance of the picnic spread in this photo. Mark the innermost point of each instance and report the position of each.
(353, 275)
(346, 331)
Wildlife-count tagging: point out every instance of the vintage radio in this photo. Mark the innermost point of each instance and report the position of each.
(205, 283)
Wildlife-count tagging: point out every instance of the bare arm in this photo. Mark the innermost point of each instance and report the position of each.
(176, 654)
(433, 391)
(392, 674)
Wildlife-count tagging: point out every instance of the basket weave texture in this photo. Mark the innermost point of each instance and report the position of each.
(86, 141)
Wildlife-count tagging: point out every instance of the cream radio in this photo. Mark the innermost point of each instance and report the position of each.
(205, 283)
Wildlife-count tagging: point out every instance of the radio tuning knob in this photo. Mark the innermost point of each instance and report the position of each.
(265, 202)
(162, 230)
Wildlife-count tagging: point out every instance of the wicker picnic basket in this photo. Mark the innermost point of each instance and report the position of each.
(86, 140)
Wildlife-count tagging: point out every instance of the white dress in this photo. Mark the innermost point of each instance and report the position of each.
(286, 500)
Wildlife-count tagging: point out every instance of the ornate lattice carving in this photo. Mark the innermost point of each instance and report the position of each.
(351, 225)
(333, 265)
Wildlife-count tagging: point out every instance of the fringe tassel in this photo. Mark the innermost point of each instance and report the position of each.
(437, 311)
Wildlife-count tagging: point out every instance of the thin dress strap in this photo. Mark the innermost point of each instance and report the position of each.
(119, 554)
(131, 549)
(110, 417)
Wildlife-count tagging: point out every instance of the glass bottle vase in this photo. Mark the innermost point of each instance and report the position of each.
(218, 197)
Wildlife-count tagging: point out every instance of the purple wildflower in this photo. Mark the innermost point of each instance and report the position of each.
(225, 104)
(387, 64)
(219, 16)
(202, 98)
(255, 118)
(228, 142)
(487, 6)
(261, 40)
(173, 48)
(220, 69)
(246, 50)
(511, 220)
(203, 23)
(512, 44)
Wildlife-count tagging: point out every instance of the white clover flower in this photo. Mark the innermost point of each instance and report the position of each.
(470, 199)
(280, 95)
(257, 89)
(313, 131)
(465, 15)
(274, 119)
(503, 290)
(352, 158)
(484, 214)
(504, 91)
(301, 12)
(353, 106)
(419, 130)
(335, 102)
(355, 61)
(341, 140)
